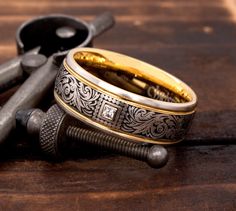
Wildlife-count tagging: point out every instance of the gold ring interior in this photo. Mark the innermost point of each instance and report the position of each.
(144, 80)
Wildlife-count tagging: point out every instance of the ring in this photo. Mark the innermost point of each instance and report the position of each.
(124, 96)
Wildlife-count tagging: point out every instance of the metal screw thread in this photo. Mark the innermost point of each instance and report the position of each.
(105, 141)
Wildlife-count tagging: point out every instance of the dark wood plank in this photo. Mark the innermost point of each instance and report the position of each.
(118, 183)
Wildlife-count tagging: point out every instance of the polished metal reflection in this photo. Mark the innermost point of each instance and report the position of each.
(136, 67)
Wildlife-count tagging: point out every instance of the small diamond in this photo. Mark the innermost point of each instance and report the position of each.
(108, 112)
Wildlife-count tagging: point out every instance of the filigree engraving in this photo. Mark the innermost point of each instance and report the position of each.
(75, 93)
(109, 111)
(152, 124)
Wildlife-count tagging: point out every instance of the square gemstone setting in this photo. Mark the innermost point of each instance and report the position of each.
(108, 112)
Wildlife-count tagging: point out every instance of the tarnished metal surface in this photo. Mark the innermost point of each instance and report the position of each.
(57, 130)
(56, 39)
(41, 80)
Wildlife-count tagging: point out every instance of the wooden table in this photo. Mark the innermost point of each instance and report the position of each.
(196, 41)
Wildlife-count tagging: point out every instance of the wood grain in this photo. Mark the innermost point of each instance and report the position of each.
(194, 40)
(195, 178)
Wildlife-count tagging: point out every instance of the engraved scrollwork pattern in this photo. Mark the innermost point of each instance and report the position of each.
(75, 93)
(155, 125)
(136, 121)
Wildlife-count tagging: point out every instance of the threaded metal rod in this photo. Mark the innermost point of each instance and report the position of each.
(55, 127)
(155, 156)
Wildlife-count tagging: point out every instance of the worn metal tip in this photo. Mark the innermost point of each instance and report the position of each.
(30, 119)
(157, 156)
(22, 117)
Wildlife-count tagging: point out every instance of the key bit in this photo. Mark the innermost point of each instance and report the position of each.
(57, 131)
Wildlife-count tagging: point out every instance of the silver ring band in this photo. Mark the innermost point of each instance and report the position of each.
(121, 116)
